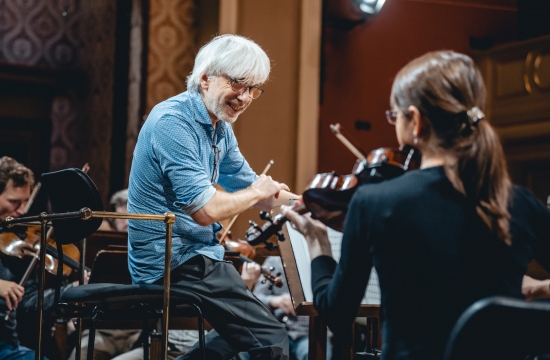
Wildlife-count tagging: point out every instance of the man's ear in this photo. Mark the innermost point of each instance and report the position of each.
(205, 82)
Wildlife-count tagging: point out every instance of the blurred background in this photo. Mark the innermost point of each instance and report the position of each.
(78, 78)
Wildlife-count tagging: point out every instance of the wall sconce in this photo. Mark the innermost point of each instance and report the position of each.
(370, 6)
(346, 14)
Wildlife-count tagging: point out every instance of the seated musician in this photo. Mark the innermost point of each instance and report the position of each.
(440, 237)
(16, 182)
(117, 203)
(184, 149)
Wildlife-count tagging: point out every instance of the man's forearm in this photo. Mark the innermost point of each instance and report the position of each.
(272, 202)
(225, 205)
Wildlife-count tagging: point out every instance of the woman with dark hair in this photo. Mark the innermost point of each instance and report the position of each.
(440, 237)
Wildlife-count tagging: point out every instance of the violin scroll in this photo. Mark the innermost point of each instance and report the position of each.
(256, 235)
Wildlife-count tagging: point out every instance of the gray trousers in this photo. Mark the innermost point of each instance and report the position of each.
(241, 322)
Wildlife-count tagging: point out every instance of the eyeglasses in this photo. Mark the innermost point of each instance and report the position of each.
(391, 116)
(216, 160)
(254, 91)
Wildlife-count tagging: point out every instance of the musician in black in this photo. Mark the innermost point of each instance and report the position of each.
(440, 237)
(16, 182)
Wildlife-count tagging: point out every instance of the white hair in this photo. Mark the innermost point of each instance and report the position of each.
(232, 55)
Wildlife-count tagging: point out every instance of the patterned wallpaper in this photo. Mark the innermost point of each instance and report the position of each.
(80, 35)
(171, 51)
(172, 48)
(97, 28)
(75, 35)
(39, 32)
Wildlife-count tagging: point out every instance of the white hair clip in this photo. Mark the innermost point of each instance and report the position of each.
(475, 114)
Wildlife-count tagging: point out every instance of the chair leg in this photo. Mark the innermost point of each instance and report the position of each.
(79, 339)
(145, 336)
(91, 334)
(200, 325)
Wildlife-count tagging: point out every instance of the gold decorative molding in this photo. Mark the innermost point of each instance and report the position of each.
(517, 76)
(518, 106)
(541, 70)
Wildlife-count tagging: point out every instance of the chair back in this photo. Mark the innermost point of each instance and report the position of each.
(111, 266)
(501, 328)
(71, 190)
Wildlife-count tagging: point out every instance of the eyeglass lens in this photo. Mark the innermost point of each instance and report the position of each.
(241, 88)
(391, 116)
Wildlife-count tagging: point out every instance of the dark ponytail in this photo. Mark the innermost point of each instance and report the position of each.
(448, 90)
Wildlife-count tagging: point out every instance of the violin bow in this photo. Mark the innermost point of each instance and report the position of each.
(32, 197)
(348, 142)
(226, 230)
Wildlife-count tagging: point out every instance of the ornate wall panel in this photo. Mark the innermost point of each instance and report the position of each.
(97, 59)
(69, 34)
(518, 105)
(135, 81)
(39, 32)
(64, 149)
(172, 48)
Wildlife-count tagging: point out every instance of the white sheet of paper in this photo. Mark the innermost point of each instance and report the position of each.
(303, 263)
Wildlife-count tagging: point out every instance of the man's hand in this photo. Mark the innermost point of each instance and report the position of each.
(226, 205)
(268, 189)
(12, 293)
(282, 302)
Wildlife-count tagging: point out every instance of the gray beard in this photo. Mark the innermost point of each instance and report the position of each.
(216, 108)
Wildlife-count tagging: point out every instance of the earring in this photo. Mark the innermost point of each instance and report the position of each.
(415, 141)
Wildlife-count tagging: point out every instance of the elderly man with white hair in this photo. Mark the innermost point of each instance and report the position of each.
(185, 148)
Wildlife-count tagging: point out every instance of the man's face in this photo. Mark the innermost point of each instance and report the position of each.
(221, 101)
(13, 200)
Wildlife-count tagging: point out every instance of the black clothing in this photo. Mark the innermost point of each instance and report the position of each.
(23, 321)
(434, 257)
(7, 328)
(240, 320)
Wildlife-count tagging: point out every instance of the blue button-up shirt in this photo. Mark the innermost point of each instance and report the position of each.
(173, 170)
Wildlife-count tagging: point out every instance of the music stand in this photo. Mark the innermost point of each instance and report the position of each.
(317, 329)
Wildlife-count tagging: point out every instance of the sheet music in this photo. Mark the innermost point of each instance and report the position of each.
(303, 261)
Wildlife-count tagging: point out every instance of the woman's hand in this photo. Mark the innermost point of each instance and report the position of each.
(283, 302)
(250, 273)
(313, 230)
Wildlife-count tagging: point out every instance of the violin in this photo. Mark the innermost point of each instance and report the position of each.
(328, 194)
(246, 253)
(16, 243)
